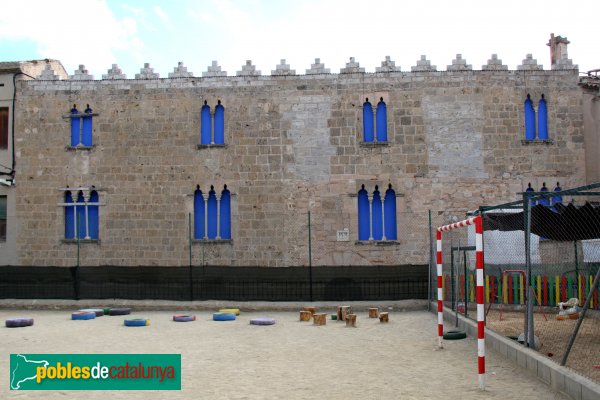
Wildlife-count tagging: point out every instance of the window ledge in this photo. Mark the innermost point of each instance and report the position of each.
(212, 241)
(374, 144)
(537, 142)
(210, 146)
(377, 242)
(81, 241)
(80, 115)
(79, 147)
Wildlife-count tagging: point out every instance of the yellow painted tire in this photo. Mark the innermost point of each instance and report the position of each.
(235, 311)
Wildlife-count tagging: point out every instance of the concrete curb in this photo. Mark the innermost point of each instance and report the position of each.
(208, 305)
(559, 378)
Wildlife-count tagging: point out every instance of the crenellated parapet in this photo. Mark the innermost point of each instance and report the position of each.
(558, 49)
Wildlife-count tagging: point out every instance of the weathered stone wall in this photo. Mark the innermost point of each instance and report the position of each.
(293, 144)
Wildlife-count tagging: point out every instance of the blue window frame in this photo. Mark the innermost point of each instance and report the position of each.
(209, 137)
(212, 214)
(542, 119)
(377, 215)
(82, 127)
(81, 214)
(529, 119)
(381, 121)
(368, 134)
(206, 125)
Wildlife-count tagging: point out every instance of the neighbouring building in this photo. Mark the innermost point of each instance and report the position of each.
(11, 73)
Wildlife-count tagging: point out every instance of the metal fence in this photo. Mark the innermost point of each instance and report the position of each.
(542, 257)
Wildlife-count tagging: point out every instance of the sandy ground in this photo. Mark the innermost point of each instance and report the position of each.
(554, 336)
(289, 360)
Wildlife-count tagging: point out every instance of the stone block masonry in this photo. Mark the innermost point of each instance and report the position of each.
(293, 143)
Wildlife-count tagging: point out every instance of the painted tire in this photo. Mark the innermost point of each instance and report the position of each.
(98, 311)
(455, 335)
(183, 318)
(223, 317)
(137, 322)
(262, 321)
(83, 315)
(235, 311)
(120, 311)
(106, 310)
(18, 322)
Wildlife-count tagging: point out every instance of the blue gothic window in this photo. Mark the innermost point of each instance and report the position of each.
(364, 218)
(545, 201)
(219, 124)
(225, 214)
(368, 134)
(212, 214)
(212, 127)
(81, 214)
(390, 214)
(381, 121)
(205, 125)
(69, 216)
(93, 216)
(542, 119)
(198, 213)
(81, 127)
(556, 199)
(529, 119)
(377, 215)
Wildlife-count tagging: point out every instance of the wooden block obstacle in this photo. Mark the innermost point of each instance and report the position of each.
(343, 312)
(319, 319)
(373, 312)
(351, 320)
(312, 310)
(383, 317)
(305, 315)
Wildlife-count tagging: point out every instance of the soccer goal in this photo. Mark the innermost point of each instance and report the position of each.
(477, 222)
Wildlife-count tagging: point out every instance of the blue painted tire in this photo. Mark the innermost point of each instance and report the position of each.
(223, 317)
(120, 311)
(18, 322)
(82, 315)
(137, 322)
(98, 311)
(262, 321)
(183, 318)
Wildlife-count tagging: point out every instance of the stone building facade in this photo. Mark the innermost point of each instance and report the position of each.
(291, 144)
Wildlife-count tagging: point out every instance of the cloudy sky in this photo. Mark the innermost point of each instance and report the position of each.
(98, 33)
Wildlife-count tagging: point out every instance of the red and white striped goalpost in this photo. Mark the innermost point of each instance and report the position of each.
(477, 221)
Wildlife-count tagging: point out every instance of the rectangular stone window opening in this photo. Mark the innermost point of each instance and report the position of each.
(3, 127)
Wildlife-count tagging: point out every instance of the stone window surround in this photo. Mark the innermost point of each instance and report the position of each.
(68, 117)
(359, 119)
(211, 145)
(190, 208)
(374, 243)
(62, 204)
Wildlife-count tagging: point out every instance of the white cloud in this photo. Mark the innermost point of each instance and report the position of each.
(73, 32)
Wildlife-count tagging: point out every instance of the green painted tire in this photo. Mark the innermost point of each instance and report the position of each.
(455, 335)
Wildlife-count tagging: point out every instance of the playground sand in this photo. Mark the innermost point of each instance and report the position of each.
(554, 336)
(289, 360)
